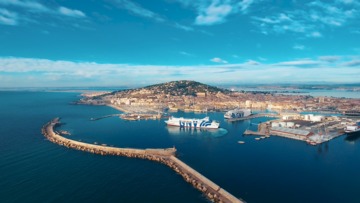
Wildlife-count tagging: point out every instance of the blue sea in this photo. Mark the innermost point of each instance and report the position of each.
(276, 169)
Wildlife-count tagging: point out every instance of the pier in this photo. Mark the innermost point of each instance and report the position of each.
(309, 136)
(165, 156)
(107, 116)
(259, 115)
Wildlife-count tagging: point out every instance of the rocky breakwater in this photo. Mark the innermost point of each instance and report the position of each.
(165, 156)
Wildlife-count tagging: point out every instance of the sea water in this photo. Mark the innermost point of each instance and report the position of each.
(275, 169)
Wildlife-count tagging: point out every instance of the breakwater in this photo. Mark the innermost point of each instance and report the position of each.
(102, 117)
(165, 156)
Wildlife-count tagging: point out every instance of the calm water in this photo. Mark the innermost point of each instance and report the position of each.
(272, 170)
(311, 92)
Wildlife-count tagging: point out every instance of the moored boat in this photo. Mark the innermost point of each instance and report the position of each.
(237, 113)
(352, 128)
(192, 123)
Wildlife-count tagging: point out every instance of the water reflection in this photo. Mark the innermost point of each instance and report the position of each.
(323, 148)
(173, 130)
(352, 137)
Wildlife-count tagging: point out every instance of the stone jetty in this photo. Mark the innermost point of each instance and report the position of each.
(165, 156)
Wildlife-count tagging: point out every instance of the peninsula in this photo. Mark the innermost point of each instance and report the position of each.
(193, 96)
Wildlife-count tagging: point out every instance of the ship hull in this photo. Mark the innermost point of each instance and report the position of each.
(352, 132)
(237, 113)
(192, 123)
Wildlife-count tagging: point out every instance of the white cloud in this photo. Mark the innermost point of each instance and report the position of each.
(186, 53)
(210, 12)
(138, 9)
(299, 63)
(30, 7)
(213, 14)
(43, 72)
(298, 47)
(8, 17)
(71, 12)
(252, 63)
(311, 20)
(183, 27)
(245, 4)
(218, 60)
(314, 34)
(262, 59)
(353, 63)
(329, 58)
(346, 1)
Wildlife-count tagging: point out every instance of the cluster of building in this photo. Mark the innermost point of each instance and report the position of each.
(311, 128)
(204, 101)
(199, 97)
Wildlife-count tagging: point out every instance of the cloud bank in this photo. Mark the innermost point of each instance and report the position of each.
(28, 72)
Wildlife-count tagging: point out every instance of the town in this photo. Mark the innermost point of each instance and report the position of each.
(191, 96)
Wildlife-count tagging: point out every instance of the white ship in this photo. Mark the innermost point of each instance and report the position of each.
(237, 113)
(352, 128)
(192, 123)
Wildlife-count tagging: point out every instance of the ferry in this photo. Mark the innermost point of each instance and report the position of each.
(352, 128)
(237, 113)
(192, 123)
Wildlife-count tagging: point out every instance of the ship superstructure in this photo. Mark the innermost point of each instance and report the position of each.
(192, 123)
(352, 128)
(237, 113)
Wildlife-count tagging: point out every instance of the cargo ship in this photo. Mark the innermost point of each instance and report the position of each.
(237, 113)
(192, 123)
(352, 128)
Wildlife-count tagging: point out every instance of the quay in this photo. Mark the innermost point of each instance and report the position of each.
(313, 136)
(259, 115)
(107, 116)
(165, 156)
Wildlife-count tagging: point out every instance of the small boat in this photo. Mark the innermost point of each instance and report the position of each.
(352, 128)
(241, 142)
(258, 138)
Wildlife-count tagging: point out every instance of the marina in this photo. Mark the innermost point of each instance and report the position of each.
(239, 168)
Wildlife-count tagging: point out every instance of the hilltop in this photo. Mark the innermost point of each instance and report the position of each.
(177, 88)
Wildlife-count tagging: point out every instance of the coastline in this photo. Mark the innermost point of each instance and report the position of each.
(117, 108)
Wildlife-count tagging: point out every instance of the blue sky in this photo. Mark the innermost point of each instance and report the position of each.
(140, 42)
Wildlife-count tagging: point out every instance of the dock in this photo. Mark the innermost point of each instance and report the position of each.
(107, 116)
(259, 115)
(265, 129)
(166, 156)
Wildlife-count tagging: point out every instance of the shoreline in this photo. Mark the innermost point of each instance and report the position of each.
(117, 108)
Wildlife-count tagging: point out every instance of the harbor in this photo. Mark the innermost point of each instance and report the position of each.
(313, 129)
(166, 156)
(258, 115)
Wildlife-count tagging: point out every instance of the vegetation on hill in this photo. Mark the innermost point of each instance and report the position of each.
(179, 88)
